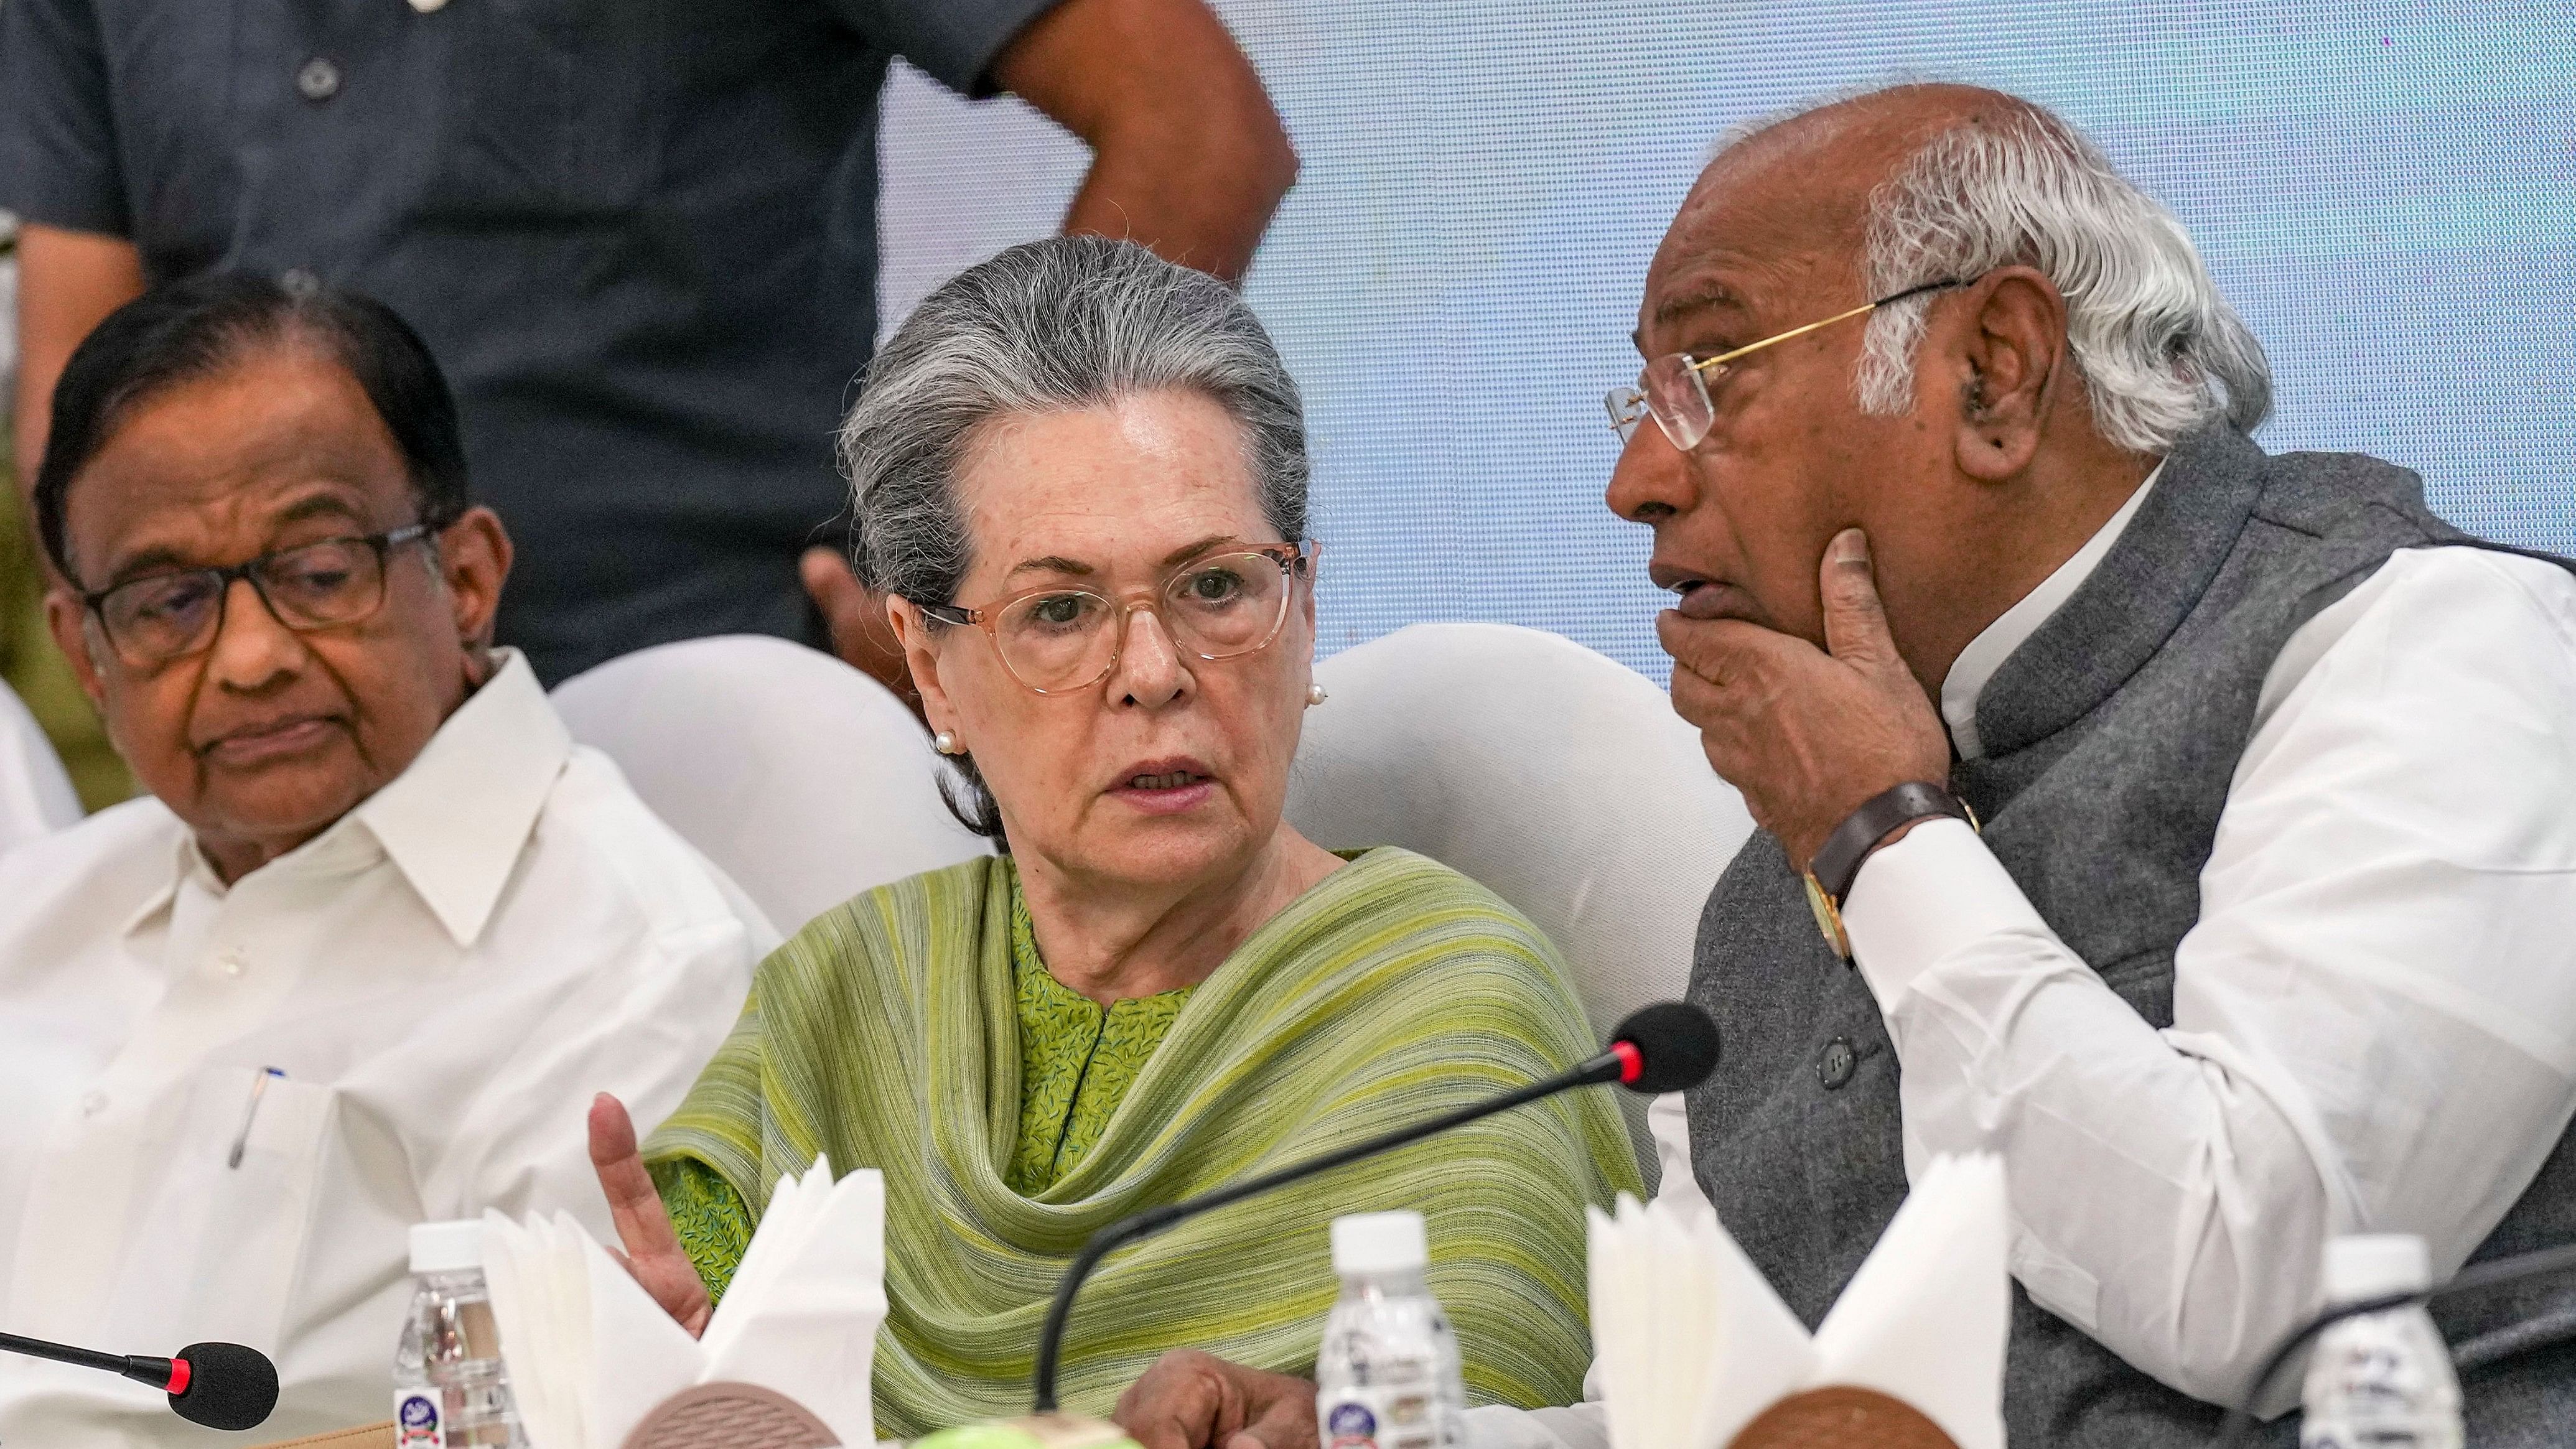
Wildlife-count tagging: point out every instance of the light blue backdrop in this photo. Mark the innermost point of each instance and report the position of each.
(2388, 192)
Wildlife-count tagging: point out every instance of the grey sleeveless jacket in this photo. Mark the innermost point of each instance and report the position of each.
(2111, 736)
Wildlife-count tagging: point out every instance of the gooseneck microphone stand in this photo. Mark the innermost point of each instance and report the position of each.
(1153, 1220)
(1660, 1048)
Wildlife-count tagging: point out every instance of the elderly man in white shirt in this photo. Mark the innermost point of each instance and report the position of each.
(2191, 825)
(381, 930)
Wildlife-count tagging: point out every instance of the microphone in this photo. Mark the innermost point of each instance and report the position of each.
(2491, 1274)
(219, 1385)
(1660, 1048)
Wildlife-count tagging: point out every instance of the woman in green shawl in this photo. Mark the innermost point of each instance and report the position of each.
(1080, 484)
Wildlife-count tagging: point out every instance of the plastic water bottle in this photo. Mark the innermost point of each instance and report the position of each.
(2380, 1380)
(1387, 1375)
(449, 1390)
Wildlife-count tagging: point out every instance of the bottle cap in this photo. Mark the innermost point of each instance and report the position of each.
(2376, 1265)
(447, 1247)
(1379, 1243)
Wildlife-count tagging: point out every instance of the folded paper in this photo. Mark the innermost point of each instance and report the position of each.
(589, 1353)
(1694, 1344)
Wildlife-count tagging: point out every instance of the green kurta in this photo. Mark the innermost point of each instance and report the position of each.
(1077, 1060)
(892, 1033)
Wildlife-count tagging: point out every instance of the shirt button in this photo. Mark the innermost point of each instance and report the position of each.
(230, 963)
(426, 6)
(1834, 1065)
(319, 80)
(93, 1104)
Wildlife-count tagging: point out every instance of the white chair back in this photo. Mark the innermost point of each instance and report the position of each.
(800, 777)
(35, 795)
(1558, 777)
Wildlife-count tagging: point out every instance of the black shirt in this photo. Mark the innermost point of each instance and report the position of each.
(640, 235)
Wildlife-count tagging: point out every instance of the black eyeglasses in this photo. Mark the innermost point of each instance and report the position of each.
(163, 617)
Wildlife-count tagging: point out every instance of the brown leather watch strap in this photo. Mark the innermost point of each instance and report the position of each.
(1837, 865)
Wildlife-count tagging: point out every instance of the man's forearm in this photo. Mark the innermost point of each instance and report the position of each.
(1189, 157)
(68, 281)
(1204, 206)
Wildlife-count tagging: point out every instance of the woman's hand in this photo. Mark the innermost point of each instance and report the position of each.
(653, 1253)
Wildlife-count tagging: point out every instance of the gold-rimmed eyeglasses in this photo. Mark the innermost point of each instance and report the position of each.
(1673, 389)
(1059, 640)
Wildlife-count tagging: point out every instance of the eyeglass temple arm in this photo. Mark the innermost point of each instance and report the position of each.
(1795, 332)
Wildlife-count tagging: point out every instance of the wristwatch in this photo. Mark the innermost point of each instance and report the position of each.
(1837, 865)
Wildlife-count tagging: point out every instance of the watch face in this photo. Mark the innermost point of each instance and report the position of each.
(1828, 919)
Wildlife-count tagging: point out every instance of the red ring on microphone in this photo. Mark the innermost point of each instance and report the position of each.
(180, 1373)
(1632, 1062)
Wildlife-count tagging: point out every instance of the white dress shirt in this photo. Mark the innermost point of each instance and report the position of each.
(35, 795)
(444, 977)
(2374, 1017)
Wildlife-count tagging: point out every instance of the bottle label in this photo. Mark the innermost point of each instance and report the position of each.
(1385, 1416)
(416, 1420)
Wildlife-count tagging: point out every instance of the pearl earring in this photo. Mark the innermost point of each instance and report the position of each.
(945, 742)
(1315, 695)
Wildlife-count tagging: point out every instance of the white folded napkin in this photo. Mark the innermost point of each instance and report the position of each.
(1693, 1344)
(589, 1353)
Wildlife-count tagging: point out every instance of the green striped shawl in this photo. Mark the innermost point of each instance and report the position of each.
(885, 1035)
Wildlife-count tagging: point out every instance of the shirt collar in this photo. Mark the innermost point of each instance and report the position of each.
(453, 823)
(1976, 665)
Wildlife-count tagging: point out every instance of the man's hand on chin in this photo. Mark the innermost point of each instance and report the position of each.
(1192, 1400)
(1807, 734)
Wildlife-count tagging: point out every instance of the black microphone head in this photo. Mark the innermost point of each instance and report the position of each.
(229, 1386)
(1675, 1046)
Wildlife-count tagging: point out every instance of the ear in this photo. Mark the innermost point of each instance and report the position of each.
(68, 618)
(919, 639)
(474, 561)
(2009, 344)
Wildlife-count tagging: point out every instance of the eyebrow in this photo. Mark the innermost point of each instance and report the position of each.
(164, 559)
(1180, 555)
(1051, 564)
(1701, 296)
(1059, 564)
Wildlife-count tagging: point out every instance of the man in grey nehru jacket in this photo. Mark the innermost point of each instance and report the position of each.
(2188, 825)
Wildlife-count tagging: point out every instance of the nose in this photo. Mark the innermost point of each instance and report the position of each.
(1151, 671)
(1652, 480)
(251, 649)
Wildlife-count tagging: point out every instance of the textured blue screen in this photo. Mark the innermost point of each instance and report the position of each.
(2388, 193)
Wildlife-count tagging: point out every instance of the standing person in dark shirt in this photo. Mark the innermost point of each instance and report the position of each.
(639, 234)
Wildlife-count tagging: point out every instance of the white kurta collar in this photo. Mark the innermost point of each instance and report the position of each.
(453, 823)
(1976, 665)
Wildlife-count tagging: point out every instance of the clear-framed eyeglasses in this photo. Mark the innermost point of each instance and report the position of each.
(1673, 389)
(158, 618)
(1060, 640)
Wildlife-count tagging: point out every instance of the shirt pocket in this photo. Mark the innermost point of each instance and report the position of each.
(222, 1244)
(549, 110)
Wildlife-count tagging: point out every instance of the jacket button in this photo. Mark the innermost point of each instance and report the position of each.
(1835, 1064)
(319, 80)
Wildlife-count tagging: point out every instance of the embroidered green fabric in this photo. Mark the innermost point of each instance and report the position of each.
(1077, 1060)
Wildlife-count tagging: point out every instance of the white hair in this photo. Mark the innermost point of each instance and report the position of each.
(2159, 349)
(1047, 326)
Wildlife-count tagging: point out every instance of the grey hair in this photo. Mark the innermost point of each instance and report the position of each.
(2158, 347)
(1048, 326)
